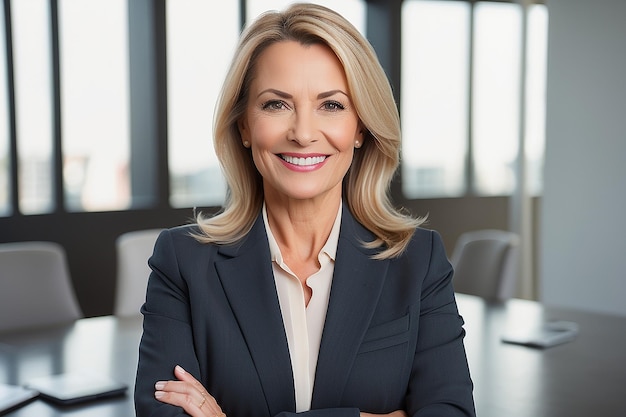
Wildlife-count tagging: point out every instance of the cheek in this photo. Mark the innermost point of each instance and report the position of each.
(264, 136)
(265, 131)
(345, 136)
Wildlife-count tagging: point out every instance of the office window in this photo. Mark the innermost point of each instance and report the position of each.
(536, 70)
(461, 135)
(496, 96)
(353, 10)
(200, 44)
(435, 77)
(33, 104)
(5, 161)
(93, 38)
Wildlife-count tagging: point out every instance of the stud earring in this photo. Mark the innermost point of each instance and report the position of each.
(246, 144)
(357, 144)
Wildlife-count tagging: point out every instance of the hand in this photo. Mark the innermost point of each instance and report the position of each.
(189, 394)
(397, 413)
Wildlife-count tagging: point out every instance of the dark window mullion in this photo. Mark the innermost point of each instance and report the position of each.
(243, 13)
(57, 142)
(160, 56)
(470, 186)
(384, 32)
(13, 158)
(148, 104)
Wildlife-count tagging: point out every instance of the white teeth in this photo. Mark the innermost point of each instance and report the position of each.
(312, 160)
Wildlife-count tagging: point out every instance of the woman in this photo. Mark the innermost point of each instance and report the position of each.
(309, 292)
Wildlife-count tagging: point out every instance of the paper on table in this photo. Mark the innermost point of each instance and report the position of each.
(14, 396)
(70, 388)
(546, 335)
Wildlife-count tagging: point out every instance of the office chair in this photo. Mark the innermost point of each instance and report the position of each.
(133, 250)
(485, 264)
(35, 286)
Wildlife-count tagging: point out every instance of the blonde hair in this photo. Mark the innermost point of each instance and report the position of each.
(367, 182)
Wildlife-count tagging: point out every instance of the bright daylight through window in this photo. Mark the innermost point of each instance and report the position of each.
(457, 139)
(451, 133)
(33, 102)
(200, 43)
(95, 104)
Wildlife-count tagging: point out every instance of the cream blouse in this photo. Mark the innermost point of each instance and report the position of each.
(304, 324)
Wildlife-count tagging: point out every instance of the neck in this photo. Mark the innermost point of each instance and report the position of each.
(302, 227)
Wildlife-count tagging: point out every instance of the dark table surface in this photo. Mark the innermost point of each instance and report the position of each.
(584, 377)
(101, 346)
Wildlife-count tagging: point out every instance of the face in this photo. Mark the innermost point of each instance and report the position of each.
(300, 122)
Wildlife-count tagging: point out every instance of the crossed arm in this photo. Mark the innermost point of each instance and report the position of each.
(189, 394)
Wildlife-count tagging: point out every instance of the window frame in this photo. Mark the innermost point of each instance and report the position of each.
(150, 183)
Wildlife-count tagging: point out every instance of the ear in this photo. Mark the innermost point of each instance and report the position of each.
(362, 129)
(244, 132)
(361, 133)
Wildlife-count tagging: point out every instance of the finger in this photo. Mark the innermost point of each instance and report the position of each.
(181, 387)
(186, 402)
(187, 384)
(183, 375)
(181, 393)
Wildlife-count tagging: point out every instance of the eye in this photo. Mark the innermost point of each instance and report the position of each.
(333, 106)
(273, 105)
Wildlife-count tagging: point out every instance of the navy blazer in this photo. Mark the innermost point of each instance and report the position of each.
(392, 339)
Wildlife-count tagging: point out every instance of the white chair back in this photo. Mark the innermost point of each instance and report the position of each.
(485, 264)
(35, 286)
(133, 250)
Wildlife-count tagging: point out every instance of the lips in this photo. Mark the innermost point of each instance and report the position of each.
(303, 161)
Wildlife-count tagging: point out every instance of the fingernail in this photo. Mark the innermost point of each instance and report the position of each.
(159, 386)
(180, 369)
(159, 394)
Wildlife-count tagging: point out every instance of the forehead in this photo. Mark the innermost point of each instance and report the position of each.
(289, 61)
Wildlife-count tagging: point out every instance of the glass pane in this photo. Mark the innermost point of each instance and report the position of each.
(33, 102)
(496, 96)
(536, 70)
(435, 68)
(195, 71)
(353, 10)
(93, 36)
(5, 163)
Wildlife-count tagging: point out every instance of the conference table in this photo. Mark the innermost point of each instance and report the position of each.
(584, 377)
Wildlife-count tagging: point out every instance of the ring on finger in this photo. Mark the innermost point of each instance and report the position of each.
(202, 402)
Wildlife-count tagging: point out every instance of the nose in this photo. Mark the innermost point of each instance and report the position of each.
(303, 128)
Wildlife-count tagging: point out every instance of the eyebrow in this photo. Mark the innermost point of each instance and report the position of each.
(322, 95)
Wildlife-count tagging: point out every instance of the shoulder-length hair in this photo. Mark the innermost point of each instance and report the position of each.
(366, 184)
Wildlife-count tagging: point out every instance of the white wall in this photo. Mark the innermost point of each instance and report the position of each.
(583, 223)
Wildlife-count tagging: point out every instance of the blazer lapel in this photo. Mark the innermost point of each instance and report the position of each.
(356, 287)
(247, 277)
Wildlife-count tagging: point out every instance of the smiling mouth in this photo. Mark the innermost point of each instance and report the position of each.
(303, 162)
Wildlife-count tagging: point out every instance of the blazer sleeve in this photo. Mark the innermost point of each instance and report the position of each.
(440, 383)
(167, 338)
